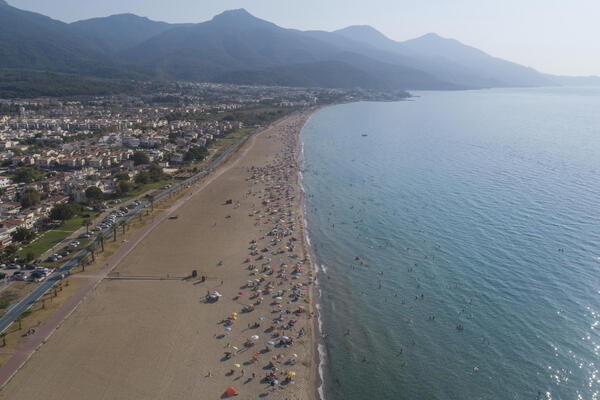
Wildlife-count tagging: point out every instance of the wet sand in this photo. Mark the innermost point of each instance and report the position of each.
(160, 339)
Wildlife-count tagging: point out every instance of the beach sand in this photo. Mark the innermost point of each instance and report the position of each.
(159, 339)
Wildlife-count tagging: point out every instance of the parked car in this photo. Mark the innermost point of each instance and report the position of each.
(37, 276)
(19, 276)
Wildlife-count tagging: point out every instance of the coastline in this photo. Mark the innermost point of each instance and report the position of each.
(305, 387)
(318, 348)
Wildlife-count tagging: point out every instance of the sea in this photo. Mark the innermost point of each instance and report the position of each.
(456, 237)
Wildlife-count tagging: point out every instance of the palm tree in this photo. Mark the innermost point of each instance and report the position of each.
(100, 238)
(151, 200)
(92, 249)
(87, 223)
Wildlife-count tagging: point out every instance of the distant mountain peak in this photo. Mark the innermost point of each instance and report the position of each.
(361, 30)
(3, 3)
(240, 19)
(239, 14)
(433, 37)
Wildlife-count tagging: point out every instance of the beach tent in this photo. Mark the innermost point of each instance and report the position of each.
(230, 392)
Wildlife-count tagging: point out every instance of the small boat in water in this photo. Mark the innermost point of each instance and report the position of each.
(364, 134)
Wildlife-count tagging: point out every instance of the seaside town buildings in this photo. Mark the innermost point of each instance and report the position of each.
(76, 143)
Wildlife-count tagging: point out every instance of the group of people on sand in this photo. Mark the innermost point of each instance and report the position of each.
(276, 295)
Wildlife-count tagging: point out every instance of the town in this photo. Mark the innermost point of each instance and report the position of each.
(65, 161)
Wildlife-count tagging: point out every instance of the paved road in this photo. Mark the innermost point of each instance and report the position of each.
(42, 333)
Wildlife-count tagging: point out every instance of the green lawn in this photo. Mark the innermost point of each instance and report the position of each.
(48, 239)
(223, 144)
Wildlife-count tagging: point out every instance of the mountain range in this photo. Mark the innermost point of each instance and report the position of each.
(236, 47)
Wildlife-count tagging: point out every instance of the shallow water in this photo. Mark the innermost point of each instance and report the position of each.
(477, 214)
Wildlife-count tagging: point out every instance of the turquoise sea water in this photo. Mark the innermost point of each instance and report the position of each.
(477, 214)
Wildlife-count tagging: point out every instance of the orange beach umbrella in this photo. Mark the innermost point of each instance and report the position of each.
(230, 392)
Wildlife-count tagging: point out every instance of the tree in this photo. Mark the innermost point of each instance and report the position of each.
(100, 239)
(22, 235)
(86, 222)
(94, 193)
(29, 257)
(140, 158)
(150, 198)
(92, 249)
(142, 178)
(156, 172)
(11, 250)
(196, 153)
(3, 336)
(30, 197)
(63, 211)
(122, 176)
(123, 187)
(27, 175)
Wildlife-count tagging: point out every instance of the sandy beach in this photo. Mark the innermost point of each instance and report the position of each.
(139, 337)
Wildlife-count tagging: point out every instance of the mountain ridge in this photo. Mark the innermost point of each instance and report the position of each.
(237, 46)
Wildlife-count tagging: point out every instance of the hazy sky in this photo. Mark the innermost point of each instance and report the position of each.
(554, 36)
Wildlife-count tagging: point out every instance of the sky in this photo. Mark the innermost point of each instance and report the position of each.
(552, 36)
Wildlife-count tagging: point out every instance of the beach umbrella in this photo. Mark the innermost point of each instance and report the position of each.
(228, 329)
(292, 373)
(285, 338)
(237, 365)
(278, 298)
(230, 392)
(235, 348)
(261, 319)
(271, 343)
(234, 314)
(295, 355)
(240, 293)
(275, 382)
(254, 337)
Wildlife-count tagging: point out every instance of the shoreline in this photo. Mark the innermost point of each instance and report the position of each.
(306, 387)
